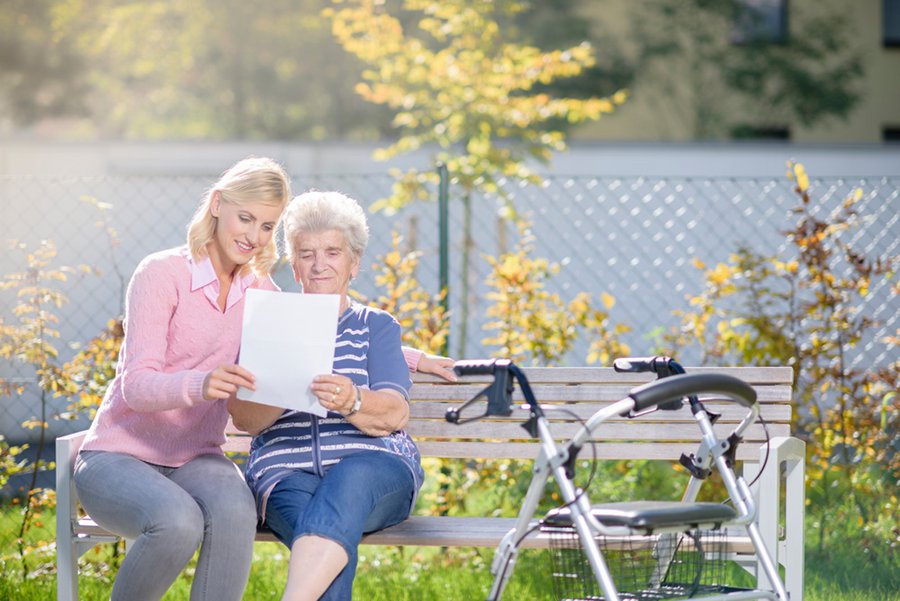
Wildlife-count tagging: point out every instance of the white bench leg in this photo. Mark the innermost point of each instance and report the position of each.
(795, 511)
(790, 453)
(66, 571)
(66, 551)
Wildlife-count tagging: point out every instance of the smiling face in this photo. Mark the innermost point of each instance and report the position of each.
(323, 263)
(242, 230)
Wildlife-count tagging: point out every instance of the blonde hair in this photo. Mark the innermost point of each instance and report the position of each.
(252, 180)
(316, 211)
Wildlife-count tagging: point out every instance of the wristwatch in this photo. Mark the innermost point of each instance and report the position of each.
(358, 403)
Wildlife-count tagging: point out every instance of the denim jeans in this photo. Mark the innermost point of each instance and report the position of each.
(365, 492)
(169, 513)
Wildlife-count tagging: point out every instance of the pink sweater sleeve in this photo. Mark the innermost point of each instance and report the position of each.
(412, 356)
(150, 303)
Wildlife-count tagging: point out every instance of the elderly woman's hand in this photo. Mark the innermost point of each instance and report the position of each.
(335, 393)
(437, 365)
(381, 411)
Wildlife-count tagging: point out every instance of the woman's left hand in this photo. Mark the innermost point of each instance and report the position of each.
(437, 365)
(335, 393)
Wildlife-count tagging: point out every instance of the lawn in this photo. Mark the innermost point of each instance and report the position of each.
(415, 574)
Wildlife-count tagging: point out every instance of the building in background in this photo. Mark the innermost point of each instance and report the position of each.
(692, 59)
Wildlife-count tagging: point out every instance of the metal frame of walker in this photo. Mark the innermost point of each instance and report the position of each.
(558, 460)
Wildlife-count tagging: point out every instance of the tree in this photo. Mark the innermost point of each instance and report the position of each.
(213, 69)
(565, 23)
(218, 69)
(691, 56)
(40, 76)
(456, 84)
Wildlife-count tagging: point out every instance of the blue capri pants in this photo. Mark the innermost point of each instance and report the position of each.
(363, 493)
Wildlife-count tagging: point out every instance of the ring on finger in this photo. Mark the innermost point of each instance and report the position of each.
(333, 398)
(337, 390)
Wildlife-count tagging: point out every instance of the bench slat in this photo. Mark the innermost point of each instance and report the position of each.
(431, 531)
(546, 393)
(730, 412)
(751, 375)
(529, 450)
(480, 438)
(646, 430)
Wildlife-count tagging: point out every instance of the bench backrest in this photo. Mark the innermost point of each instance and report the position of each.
(583, 390)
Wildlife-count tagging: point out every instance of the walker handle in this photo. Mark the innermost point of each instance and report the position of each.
(479, 367)
(682, 385)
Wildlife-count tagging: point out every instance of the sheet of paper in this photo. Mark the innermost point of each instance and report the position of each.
(287, 340)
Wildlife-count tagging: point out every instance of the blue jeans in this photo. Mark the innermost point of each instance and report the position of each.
(169, 512)
(365, 492)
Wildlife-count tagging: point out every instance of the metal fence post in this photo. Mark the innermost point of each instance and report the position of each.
(444, 243)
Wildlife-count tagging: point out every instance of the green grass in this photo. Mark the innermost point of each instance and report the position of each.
(844, 573)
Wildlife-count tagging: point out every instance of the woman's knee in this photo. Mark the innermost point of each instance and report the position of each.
(234, 510)
(220, 490)
(177, 527)
(369, 476)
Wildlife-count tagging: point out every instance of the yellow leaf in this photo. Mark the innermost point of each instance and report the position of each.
(720, 274)
(801, 177)
(609, 301)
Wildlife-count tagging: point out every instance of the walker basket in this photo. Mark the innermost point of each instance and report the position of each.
(643, 567)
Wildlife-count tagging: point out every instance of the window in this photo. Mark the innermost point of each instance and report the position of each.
(755, 132)
(891, 19)
(891, 134)
(761, 21)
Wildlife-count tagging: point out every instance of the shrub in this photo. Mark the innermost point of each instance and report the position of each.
(805, 312)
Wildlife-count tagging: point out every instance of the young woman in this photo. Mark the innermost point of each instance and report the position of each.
(151, 468)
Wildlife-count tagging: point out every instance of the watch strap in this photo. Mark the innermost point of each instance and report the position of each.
(358, 403)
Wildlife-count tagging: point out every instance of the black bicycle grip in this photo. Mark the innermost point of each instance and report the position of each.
(682, 385)
(478, 367)
(636, 364)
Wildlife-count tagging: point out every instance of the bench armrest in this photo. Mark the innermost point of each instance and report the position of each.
(67, 448)
(786, 466)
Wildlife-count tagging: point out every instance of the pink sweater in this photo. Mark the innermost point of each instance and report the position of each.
(175, 334)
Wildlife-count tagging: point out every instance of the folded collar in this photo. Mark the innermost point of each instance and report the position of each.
(203, 275)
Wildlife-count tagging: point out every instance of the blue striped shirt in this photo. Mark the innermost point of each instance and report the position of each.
(368, 352)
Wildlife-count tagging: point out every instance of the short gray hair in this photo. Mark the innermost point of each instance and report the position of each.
(317, 211)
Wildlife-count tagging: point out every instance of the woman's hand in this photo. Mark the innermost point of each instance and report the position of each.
(335, 393)
(224, 381)
(381, 412)
(437, 365)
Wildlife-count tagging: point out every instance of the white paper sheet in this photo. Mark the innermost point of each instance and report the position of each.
(287, 339)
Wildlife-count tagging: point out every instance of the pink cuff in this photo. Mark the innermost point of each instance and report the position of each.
(412, 356)
(193, 387)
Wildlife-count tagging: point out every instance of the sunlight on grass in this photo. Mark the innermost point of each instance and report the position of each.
(419, 573)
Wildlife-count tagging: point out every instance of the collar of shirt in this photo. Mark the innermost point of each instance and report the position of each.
(203, 275)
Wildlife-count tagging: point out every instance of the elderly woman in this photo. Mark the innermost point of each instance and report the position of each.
(321, 483)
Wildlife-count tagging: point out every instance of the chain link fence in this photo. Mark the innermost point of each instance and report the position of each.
(635, 238)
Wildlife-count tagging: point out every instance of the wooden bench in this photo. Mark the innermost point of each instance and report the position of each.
(658, 436)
